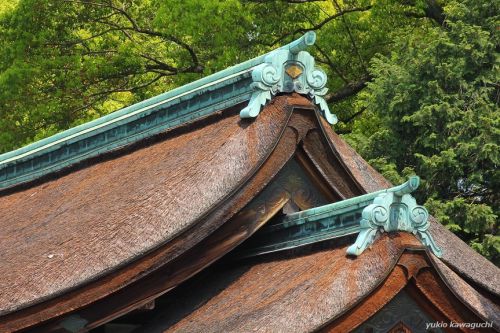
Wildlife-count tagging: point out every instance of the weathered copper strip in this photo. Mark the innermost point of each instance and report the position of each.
(256, 80)
(339, 219)
(127, 288)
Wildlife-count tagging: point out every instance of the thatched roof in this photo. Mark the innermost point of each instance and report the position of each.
(315, 289)
(81, 235)
(102, 219)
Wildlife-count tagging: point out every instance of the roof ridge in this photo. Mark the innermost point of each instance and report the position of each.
(256, 80)
(387, 210)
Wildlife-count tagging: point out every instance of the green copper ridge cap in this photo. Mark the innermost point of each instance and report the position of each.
(198, 99)
(395, 211)
(344, 218)
(288, 70)
(162, 98)
(333, 209)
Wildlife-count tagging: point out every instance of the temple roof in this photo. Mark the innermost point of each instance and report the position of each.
(253, 81)
(90, 215)
(307, 290)
(103, 218)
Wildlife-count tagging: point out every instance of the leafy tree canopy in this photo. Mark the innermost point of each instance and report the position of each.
(414, 82)
(432, 109)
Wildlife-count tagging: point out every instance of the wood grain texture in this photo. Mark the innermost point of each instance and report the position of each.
(116, 232)
(222, 240)
(83, 225)
(299, 294)
(488, 309)
(458, 255)
(369, 306)
(330, 166)
(435, 290)
(416, 274)
(367, 178)
(294, 294)
(282, 294)
(408, 266)
(472, 266)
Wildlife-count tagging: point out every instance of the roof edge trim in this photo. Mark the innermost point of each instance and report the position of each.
(195, 100)
(392, 209)
(289, 70)
(395, 210)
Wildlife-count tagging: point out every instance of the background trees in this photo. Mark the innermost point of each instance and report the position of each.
(432, 109)
(414, 82)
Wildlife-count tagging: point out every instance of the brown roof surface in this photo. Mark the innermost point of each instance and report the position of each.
(299, 293)
(478, 303)
(456, 253)
(303, 293)
(64, 232)
(366, 176)
(464, 260)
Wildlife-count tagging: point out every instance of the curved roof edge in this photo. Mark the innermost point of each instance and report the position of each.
(285, 69)
(160, 245)
(327, 290)
(456, 254)
(343, 218)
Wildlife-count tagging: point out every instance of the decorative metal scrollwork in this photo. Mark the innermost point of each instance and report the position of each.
(379, 215)
(289, 69)
(394, 210)
(265, 79)
(269, 75)
(419, 216)
(317, 79)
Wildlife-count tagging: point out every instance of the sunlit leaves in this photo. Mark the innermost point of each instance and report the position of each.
(431, 106)
(436, 106)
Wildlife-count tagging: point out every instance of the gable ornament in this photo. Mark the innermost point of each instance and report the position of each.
(395, 210)
(289, 69)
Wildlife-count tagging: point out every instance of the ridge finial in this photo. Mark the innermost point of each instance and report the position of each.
(285, 70)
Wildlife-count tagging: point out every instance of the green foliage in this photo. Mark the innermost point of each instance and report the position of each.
(489, 247)
(69, 61)
(7, 6)
(433, 107)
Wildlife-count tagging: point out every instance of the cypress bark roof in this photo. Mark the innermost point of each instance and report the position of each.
(88, 237)
(306, 291)
(75, 228)
(87, 233)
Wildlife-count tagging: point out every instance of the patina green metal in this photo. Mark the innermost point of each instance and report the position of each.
(343, 218)
(395, 210)
(272, 77)
(198, 99)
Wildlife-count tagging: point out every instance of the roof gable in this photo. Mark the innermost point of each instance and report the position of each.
(254, 81)
(98, 216)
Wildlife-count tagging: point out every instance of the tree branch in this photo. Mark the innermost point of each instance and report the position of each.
(159, 64)
(351, 38)
(119, 75)
(328, 61)
(320, 24)
(348, 90)
(352, 116)
(432, 11)
(196, 67)
(114, 25)
(128, 89)
(81, 41)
